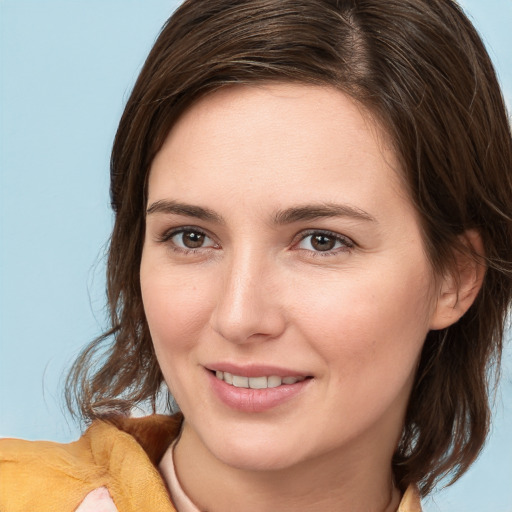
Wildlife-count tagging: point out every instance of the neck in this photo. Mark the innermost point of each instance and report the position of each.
(332, 482)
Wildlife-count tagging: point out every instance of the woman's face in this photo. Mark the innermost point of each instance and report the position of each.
(281, 249)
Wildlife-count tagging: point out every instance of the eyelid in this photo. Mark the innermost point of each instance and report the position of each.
(166, 236)
(345, 240)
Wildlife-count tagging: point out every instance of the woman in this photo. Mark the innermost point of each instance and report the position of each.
(312, 249)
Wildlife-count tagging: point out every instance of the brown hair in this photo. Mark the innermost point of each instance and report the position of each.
(420, 67)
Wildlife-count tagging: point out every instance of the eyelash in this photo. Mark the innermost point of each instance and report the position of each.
(168, 235)
(347, 243)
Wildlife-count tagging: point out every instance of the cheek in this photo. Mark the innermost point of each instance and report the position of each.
(371, 328)
(176, 317)
(176, 310)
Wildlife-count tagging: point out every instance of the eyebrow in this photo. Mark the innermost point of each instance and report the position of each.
(188, 210)
(287, 216)
(317, 211)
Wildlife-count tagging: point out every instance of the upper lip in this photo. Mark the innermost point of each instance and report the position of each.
(255, 370)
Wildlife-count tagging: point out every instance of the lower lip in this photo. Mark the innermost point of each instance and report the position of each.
(255, 400)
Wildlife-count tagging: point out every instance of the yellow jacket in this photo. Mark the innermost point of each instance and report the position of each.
(112, 467)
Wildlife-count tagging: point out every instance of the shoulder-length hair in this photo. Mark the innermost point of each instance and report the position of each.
(421, 69)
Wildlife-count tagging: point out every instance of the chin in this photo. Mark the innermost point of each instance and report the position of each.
(255, 453)
(257, 459)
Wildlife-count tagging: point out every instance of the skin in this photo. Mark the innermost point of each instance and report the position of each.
(353, 319)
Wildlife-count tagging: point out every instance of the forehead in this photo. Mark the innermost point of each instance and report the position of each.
(274, 104)
(259, 141)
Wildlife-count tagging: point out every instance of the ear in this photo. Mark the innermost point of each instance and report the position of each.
(460, 286)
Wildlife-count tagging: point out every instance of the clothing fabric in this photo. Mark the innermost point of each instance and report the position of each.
(181, 501)
(111, 468)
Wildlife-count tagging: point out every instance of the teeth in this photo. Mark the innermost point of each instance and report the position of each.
(240, 382)
(290, 380)
(258, 382)
(272, 381)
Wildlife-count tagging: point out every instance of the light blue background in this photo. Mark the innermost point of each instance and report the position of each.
(66, 71)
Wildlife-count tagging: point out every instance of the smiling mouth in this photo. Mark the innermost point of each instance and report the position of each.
(272, 381)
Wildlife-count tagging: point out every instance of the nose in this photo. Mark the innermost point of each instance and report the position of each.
(248, 308)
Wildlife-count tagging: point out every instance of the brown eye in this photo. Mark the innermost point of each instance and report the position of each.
(192, 239)
(322, 242)
(319, 241)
